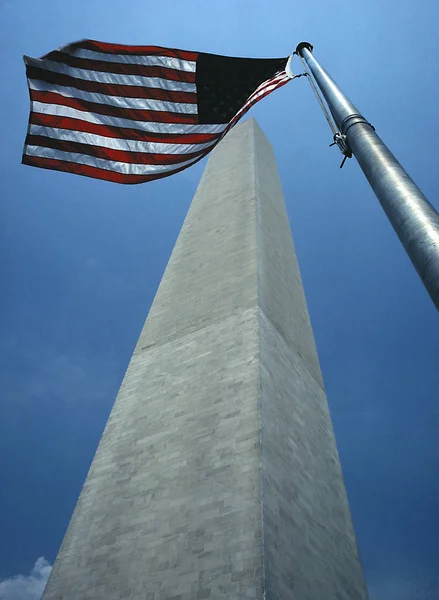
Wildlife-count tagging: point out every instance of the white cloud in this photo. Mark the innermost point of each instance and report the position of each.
(27, 587)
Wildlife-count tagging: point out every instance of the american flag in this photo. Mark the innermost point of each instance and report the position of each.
(131, 114)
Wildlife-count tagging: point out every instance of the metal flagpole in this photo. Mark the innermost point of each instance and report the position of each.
(412, 216)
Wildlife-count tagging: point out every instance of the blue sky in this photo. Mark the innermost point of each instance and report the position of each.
(81, 260)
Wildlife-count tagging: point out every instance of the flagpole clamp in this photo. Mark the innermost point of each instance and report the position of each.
(340, 140)
(351, 120)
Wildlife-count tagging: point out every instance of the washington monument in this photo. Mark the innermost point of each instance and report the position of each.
(217, 475)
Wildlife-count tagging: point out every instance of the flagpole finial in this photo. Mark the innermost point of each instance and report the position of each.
(302, 46)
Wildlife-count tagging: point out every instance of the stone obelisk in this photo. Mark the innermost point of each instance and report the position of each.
(217, 475)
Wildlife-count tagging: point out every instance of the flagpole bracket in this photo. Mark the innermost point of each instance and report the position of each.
(340, 137)
(340, 140)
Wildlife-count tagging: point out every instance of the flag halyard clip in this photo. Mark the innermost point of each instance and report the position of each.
(340, 140)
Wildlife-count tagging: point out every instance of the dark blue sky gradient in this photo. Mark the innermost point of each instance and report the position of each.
(81, 261)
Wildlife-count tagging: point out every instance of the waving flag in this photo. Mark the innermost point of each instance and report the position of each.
(131, 114)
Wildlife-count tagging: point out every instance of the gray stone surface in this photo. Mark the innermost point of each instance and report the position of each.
(217, 475)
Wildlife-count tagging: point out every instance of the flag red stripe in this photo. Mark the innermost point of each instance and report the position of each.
(135, 50)
(153, 116)
(140, 158)
(253, 100)
(122, 68)
(126, 91)
(120, 132)
(113, 145)
(95, 172)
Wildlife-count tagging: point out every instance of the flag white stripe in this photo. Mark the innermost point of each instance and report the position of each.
(254, 98)
(274, 81)
(66, 135)
(100, 163)
(112, 78)
(97, 148)
(147, 60)
(263, 89)
(119, 101)
(149, 127)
